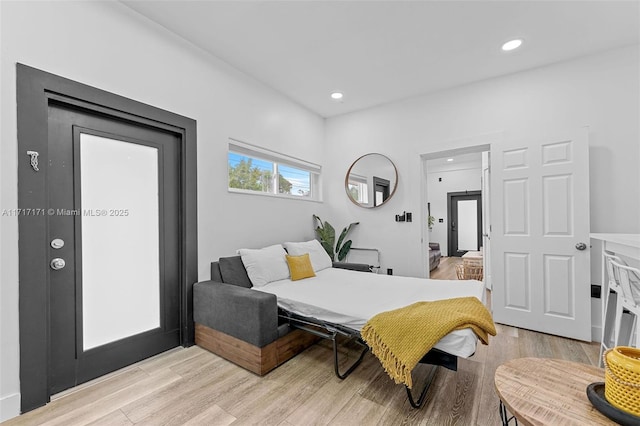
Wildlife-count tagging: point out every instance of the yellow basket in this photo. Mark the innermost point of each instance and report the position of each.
(465, 272)
(622, 378)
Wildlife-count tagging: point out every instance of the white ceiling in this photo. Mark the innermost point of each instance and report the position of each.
(382, 51)
(472, 160)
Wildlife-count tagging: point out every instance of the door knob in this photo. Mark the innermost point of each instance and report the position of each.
(57, 263)
(581, 246)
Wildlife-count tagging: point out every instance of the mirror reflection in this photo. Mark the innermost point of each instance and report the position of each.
(371, 180)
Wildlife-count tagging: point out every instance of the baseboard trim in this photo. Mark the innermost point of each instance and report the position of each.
(9, 406)
(596, 333)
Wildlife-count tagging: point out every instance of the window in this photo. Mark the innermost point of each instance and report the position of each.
(358, 188)
(261, 171)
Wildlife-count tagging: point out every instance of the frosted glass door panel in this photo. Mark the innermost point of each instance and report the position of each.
(120, 239)
(467, 225)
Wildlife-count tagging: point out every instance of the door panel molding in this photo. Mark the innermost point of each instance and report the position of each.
(36, 90)
(544, 220)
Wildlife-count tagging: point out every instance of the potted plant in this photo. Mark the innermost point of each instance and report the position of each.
(327, 236)
(430, 221)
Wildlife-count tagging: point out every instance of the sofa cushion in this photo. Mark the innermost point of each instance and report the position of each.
(300, 267)
(233, 272)
(319, 257)
(265, 265)
(434, 255)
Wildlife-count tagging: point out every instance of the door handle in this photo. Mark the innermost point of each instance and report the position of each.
(581, 246)
(57, 264)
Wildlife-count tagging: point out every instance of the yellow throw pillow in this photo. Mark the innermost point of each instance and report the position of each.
(300, 267)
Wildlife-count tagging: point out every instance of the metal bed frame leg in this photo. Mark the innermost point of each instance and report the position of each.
(425, 389)
(333, 336)
(434, 357)
(353, 366)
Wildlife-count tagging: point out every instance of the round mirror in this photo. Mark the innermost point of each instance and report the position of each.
(371, 180)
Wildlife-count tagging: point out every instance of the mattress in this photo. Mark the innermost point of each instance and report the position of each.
(351, 298)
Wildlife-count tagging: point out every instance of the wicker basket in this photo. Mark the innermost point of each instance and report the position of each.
(622, 378)
(472, 261)
(465, 272)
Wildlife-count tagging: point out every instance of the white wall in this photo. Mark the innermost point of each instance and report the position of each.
(452, 181)
(601, 91)
(106, 45)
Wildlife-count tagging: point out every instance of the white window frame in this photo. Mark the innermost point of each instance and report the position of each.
(276, 159)
(363, 187)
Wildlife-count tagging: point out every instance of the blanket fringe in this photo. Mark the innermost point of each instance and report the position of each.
(399, 344)
(396, 369)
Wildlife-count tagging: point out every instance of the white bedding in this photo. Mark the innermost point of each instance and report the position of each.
(351, 298)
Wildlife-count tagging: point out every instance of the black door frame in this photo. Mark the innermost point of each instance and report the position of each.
(35, 90)
(385, 184)
(450, 239)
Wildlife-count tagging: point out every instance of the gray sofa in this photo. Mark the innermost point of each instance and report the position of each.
(434, 255)
(241, 324)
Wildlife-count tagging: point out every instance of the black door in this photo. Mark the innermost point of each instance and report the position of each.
(464, 210)
(381, 190)
(114, 243)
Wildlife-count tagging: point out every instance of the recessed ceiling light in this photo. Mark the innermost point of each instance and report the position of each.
(512, 44)
(449, 159)
(337, 96)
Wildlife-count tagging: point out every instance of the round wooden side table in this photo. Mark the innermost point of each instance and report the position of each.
(539, 391)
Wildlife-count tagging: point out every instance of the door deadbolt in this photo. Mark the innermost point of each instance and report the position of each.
(57, 243)
(57, 263)
(581, 246)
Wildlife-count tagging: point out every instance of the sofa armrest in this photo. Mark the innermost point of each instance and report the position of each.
(240, 312)
(362, 267)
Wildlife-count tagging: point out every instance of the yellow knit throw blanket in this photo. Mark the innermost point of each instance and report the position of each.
(400, 338)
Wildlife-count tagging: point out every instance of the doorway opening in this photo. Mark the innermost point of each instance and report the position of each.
(381, 190)
(464, 173)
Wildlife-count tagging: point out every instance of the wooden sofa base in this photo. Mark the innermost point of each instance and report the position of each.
(255, 359)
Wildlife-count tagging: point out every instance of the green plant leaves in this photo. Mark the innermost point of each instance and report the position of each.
(327, 236)
(342, 253)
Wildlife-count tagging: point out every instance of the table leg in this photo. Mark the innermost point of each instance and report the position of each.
(504, 416)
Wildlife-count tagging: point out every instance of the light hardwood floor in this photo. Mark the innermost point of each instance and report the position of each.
(446, 270)
(191, 386)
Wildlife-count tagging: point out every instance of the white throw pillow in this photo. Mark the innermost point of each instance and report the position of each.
(319, 257)
(265, 265)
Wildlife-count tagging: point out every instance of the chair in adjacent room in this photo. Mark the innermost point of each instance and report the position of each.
(627, 280)
(616, 323)
(609, 296)
(630, 300)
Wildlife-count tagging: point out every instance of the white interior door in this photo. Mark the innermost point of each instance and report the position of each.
(540, 199)
(486, 220)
